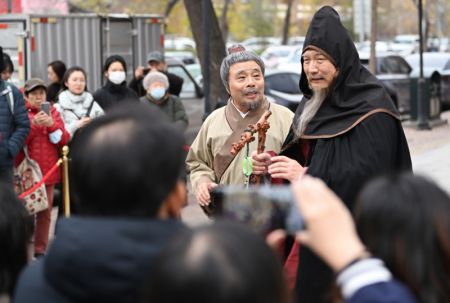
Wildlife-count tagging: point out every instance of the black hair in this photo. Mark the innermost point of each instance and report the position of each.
(114, 58)
(16, 228)
(405, 220)
(221, 263)
(1, 59)
(7, 63)
(67, 76)
(125, 163)
(59, 68)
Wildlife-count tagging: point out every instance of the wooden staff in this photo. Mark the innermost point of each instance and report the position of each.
(261, 128)
(65, 151)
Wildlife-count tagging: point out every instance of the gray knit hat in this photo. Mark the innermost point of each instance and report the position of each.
(236, 54)
(153, 77)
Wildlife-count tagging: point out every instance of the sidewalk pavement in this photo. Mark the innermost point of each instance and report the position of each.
(430, 153)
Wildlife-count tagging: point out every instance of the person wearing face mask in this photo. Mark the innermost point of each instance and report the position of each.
(156, 85)
(115, 89)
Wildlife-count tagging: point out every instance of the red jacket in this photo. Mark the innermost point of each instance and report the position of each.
(40, 148)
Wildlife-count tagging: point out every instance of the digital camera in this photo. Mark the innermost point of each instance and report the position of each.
(262, 208)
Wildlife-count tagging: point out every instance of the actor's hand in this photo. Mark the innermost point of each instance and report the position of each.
(260, 163)
(285, 168)
(203, 192)
(330, 230)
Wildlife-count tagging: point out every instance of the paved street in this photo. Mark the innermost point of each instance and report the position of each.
(430, 152)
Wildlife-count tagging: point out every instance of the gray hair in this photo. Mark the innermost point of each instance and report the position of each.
(236, 54)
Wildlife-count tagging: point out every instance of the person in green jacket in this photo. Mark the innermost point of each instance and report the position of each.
(156, 85)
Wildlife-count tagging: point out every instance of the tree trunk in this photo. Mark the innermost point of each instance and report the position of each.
(169, 6)
(373, 37)
(224, 21)
(217, 46)
(287, 22)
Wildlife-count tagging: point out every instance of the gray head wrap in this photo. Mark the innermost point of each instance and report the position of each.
(236, 54)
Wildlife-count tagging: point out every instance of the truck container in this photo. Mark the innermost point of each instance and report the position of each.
(86, 40)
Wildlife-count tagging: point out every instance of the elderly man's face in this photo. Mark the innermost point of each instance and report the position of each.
(318, 69)
(246, 82)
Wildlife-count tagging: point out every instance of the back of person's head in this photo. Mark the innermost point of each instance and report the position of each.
(16, 228)
(8, 64)
(59, 68)
(126, 163)
(221, 263)
(405, 220)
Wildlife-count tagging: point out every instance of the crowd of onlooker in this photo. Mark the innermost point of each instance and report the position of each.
(126, 242)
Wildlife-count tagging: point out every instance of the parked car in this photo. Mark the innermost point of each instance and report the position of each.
(259, 44)
(274, 55)
(436, 67)
(393, 71)
(296, 41)
(185, 56)
(179, 43)
(292, 63)
(191, 96)
(282, 87)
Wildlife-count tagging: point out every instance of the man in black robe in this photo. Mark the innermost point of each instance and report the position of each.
(345, 131)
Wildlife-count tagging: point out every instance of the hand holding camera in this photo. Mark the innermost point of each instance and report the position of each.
(330, 231)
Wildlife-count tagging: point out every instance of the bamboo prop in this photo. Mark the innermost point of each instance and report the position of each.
(65, 151)
(259, 127)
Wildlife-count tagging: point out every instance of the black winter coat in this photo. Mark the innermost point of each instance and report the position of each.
(96, 260)
(111, 94)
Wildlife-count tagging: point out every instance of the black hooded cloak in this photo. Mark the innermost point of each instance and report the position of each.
(355, 135)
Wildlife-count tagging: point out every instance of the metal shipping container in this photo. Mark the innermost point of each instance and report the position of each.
(85, 40)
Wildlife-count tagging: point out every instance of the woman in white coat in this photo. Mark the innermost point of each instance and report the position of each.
(76, 105)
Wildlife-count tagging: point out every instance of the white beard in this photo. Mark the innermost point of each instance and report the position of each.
(310, 110)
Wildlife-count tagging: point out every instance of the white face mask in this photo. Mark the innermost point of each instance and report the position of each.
(117, 77)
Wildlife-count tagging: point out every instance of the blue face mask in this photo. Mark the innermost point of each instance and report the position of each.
(157, 93)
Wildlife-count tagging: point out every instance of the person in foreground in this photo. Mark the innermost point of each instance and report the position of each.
(221, 263)
(128, 205)
(331, 234)
(414, 239)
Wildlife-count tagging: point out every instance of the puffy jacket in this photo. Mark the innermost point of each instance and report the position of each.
(40, 148)
(13, 128)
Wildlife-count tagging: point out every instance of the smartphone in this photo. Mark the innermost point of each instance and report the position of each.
(263, 208)
(45, 107)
